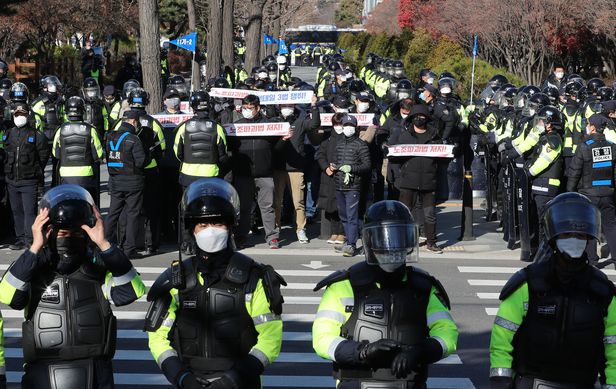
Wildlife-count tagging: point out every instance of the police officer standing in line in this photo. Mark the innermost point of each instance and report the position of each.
(78, 150)
(196, 341)
(153, 139)
(65, 282)
(556, 325)
(27, 152)
(201, 147)
(126, 160)
(592, 173)
(94, 112)
(382, 322)
(111, 108)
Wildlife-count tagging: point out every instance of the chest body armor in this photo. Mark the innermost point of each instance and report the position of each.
(94, 115)
(386, 314)
(119, 159)
(200, 142)
(75, 142)
(561, 337)
(213, 328)
(73, 320)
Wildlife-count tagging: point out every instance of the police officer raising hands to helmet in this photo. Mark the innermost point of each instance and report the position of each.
(215, 317)
(65, 282)
(381, 322)
(556, 324)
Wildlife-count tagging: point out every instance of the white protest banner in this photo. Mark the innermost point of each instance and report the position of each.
(437, 151)
(363, 119)
(257, 129)
(172, 120)
(185, 107)
(266, 98)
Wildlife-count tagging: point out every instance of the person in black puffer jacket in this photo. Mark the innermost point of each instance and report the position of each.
(351, 164)
(251, 163)
(417, 181)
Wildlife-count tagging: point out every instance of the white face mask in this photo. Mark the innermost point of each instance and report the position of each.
(272, 76)
(262, 75)
(20, 120)
(363, 107)
(338, 129)
(282, 67)
(445, 90)
(573, 247)
(172, 103)
(51, 88)
(588, 130)
(212, 239)
(531, 112)
(404, 95)
(404, 115)
(286, 111)
(247, 113)
(430, 81)
(541, 128)
(559, 75)
(342, 78)
(348, 131)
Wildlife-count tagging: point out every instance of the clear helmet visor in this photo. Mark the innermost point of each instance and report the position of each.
(391, 246)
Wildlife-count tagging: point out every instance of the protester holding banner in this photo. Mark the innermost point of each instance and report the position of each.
(417, 181)
(290, 161)
(350, 165)
(251, 163)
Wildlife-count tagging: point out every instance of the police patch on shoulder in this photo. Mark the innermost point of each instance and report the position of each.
(374, 310)
(546, 310)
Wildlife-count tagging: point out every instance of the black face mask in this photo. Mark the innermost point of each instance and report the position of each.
(72, 252)
(420, 121)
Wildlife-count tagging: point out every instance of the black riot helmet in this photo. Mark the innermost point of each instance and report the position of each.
(357, 86)
(129, 86)
(593, 85)
(398, 68)
(200, 101)
(221, 82)
(497, 80)
(70, 207)
(571, 214)
(138, 98)
(268, 59)
(75, 107)
(179, 83)
(537, 101)
(210, 199)
(91, 90)
(19, 93)
(551, 115)
(333, 66)
(572, 89)
(390, 235)
(405, 90)
(574, 78)
(51, 84)
(605, 93)
(5, 88)
(552, 93)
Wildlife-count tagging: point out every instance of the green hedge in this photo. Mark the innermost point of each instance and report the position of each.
(418, 49)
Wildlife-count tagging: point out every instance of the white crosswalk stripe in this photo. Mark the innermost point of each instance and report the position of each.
(134, 366)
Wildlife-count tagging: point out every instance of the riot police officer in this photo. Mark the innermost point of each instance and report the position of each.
(77, 147)
(65, 282)
(592, 174)
(48, 107)
(556, 324)
(111, 108)
(382, 322)
(126, 160)
(195, 340)
(94, 112)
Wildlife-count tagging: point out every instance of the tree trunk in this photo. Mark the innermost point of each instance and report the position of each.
(214, 39)
(227, 33)
(277, 9)
(192, 26)
(253, 34)
(149, 41)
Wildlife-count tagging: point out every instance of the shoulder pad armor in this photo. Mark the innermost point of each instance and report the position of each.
(238, 270)
(554, 141)
(157, 312)
(338, 275)
(514, 283)
(361, 274)
(602, 286)
(271, 285)
(422, 280)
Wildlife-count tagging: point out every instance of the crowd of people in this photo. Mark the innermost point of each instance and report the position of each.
(214, 320)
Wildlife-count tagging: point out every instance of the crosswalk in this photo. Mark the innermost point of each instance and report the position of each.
(297, 367)
(489, 280)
